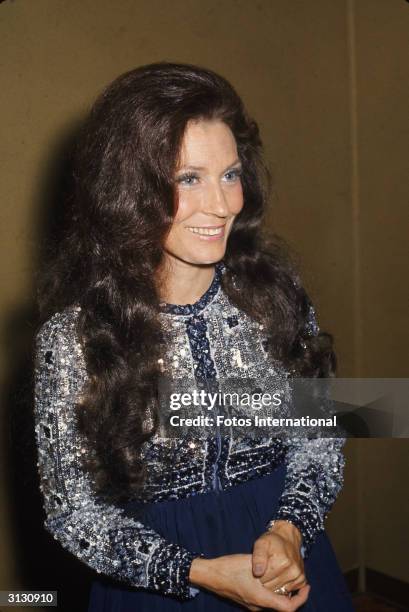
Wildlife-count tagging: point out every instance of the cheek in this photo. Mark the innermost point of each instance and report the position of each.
(187, 205)
(237, 200)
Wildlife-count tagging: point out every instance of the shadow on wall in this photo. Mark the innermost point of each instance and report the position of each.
(41, 562)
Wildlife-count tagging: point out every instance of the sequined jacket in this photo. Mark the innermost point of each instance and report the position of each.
(209, 339)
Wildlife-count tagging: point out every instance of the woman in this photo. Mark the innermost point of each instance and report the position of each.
(163, 272)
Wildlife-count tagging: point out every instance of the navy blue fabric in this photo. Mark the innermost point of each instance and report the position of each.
(221, 523)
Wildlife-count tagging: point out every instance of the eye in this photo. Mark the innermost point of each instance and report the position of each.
(187, 179)
(234, 175)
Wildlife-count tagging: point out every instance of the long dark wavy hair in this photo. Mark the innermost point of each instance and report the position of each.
(120, 210)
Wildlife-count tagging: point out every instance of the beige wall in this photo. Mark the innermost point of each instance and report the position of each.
(382, 94)
(328, 83)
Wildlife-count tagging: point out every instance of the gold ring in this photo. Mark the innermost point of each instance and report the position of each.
(281, 591)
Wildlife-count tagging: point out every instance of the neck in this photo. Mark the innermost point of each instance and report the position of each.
(179, 282)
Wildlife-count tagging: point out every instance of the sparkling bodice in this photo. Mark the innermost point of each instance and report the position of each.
(208, 342)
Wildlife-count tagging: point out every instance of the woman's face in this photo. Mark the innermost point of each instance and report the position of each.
(208, 191)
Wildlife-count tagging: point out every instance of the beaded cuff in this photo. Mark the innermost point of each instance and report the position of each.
(314, 476)
(314, 479)
(169, 569)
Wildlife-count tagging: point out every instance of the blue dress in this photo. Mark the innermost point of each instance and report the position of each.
(211, 500)
(222, 523)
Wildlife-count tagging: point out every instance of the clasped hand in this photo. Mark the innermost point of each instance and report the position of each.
(277, 562)
(250, 579)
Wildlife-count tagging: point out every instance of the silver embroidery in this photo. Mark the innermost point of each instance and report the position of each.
(99, 533)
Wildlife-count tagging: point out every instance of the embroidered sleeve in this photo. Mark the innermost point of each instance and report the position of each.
(97, 533)
(314, 476)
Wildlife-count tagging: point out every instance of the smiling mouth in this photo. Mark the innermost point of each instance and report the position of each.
(207, 231)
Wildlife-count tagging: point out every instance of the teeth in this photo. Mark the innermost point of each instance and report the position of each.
(204, 231)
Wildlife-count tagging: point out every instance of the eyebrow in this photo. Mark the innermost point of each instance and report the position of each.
(236, 162)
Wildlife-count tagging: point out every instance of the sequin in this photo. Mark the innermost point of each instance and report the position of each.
(208, 341)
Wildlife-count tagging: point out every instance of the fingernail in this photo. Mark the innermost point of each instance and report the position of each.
(258, 568)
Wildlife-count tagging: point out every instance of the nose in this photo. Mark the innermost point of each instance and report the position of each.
(215, 201)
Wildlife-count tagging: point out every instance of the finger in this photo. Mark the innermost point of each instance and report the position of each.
(277, 569)
(278, 578)
(282, 603)
(259, 557)
(297, 584)
(278, 573)
(283, 579)
(290, 587)
(297, 600)
(287, 576)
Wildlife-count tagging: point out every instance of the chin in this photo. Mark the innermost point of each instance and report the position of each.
(207, 255)
(205, 259)
(210, 257)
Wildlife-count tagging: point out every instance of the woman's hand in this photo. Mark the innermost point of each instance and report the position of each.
(277, 559)
(231, 576)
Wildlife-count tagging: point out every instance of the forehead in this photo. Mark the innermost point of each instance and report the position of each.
(207, 141)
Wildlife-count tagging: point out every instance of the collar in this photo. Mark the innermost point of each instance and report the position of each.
(202, 302)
